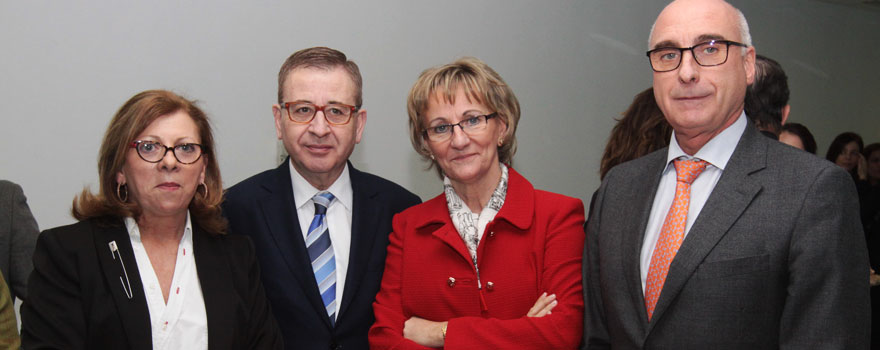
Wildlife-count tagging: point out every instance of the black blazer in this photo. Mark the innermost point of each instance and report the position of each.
(262, 207)
(76, 299)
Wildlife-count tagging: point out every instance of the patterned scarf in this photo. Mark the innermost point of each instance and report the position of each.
(471, 226)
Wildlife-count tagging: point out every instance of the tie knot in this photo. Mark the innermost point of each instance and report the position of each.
(687, 170)
(322, 201)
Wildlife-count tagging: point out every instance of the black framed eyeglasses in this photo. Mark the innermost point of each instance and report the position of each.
(470, 125)
(335, 113)
(707, 54)
(153, 152)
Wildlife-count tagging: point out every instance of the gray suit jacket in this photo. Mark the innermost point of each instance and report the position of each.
(18, 236)
(775, 259)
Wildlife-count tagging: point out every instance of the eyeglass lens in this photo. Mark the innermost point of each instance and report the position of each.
(469, 125)
(305, 112)
(710, 53)
(154, 152)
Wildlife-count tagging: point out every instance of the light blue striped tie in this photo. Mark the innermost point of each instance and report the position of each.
(321, 253)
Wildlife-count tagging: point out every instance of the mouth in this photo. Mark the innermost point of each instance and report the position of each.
(319, 149)
(464, 157)
(169, 186)
(688, 98)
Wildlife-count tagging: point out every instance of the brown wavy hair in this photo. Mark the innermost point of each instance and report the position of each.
(480, 83)
(642, 130)
(132, 118)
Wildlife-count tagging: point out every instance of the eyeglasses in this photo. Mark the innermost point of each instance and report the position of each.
(153, 152)
(470, 125)
(707, 54)
(304, 112)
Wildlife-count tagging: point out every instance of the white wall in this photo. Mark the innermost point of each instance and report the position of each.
(66, 67)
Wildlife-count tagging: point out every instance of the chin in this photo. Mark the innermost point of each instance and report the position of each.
(316, 164)
(465, 176)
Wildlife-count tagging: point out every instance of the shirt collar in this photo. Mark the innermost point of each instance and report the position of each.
(718, 150)
(303, 191)
(135, 232)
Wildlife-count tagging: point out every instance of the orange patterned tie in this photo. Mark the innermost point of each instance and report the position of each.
(672, 232)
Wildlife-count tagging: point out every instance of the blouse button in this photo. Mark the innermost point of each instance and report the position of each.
(451, 282)
(492, 234)
(490, 285)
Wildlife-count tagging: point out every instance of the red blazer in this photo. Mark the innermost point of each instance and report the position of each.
(534, 245)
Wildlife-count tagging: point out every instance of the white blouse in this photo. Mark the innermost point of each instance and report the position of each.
(181, 323)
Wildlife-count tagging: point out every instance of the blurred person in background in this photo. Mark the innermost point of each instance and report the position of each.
(640, 131)
(767, 97)
(798, 136)
(18, 235)
(846, 152)
(9, 338)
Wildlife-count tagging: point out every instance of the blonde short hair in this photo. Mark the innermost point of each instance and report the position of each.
(480, 83)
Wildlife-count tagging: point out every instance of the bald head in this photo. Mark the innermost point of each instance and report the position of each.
(721, 6)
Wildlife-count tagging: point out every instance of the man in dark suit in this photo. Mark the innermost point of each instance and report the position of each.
(725, 239)
(319, 225)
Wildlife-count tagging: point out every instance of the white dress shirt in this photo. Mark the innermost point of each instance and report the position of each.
(181, 323)
(338, 219)
(717, 152)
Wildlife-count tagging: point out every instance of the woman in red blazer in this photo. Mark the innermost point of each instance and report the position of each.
(491, 263)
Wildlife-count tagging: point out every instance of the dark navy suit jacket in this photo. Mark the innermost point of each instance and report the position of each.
(262, 207)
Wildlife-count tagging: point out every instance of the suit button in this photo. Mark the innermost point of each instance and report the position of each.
(451, 281)
(491, 233)
(490, 285)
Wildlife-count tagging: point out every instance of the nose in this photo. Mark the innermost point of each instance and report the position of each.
(319, 126)
(688, 70)
(169, 161)
(460, 139)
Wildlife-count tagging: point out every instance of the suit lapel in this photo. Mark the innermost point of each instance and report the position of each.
(133, 312)
(217, 290)
(283, 224)
(364, 223)
(642, 194)
(731, 196)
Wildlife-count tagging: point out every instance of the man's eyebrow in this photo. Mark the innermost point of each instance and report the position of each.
(665, 43)
(708, 37)
(700, 39)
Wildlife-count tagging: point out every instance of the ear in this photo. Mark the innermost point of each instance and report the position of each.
(749, 65)
(361, 121)
(425, 145)
(120, 177)
(279, 123)
(502, 127)
(785, 111)
(202, 172)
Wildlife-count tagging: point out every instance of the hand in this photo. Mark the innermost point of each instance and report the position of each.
(875, 278)
(862, 168)
(424, 332)
(543, 305)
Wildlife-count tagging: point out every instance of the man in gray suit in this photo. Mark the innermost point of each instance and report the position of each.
(18, 236)
(726, 239)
